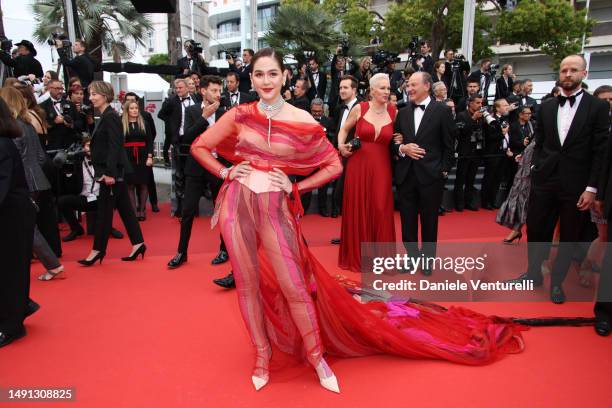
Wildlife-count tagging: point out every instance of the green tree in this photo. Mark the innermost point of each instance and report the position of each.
(553, 26)
(96, 19)
(440, 21)
(161, 59)
(300, 27)
(355, 19)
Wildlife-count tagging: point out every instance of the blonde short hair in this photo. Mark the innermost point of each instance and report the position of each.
(103, 88)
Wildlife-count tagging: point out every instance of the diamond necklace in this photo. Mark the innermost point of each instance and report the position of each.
(271, 110)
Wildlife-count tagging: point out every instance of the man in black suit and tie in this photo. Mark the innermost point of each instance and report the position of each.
(317, 78)
(233, 96)
(526, 100)
(198, 118)
(173, 113)
(425, 158)
(60, 114)
(571, 134)
(244, 72)
(483, 77)
(316, 110)
(192, 62)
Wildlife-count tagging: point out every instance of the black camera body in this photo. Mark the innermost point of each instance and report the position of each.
(6, 44)
(59, 36)
(382, 58)
(344, 45)
(457, 62)
(67, 157)
(195, 48)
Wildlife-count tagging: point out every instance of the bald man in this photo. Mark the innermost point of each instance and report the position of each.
(571, 135)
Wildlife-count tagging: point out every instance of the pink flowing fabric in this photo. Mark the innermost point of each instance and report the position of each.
(287, 298)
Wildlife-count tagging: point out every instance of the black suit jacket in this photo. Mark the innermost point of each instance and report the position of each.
(476, 76)
(150, 123)
(301, 102)
(579, 161)
(60, 136)
(428, 65)
(501, 89)
(336, 117)
(171, 113)
(435, 135)
(244, 73)
(81, 66)
(107, 152)
(22, 64)
(319, 91)
(195, 125)
(243, 97)
(465, 147)
(517, 137)
(604, 190)
(330, 130)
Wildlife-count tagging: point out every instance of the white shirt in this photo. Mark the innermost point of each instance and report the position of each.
(565, 116)
(234, 97)
(91, 189)
(184, 104)
(418, 117)
(211, 121)
(315, 77)
(346, 112)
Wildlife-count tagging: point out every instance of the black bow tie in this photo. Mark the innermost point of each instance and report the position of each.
(415, 106)
(572, 99)
(185, 99)
(234, 94)
(344, 107)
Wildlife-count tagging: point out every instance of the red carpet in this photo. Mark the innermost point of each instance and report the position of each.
(139, 335)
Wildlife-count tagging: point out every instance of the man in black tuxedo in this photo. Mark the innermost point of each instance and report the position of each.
(244, 72)
(525, 99)
(198, 118)
(571, 134)
(470, 147)
(317, 78)
(425, 62)
(150, 123)
(233, 96)
(425, 158)
(299, 99)
(192, 62)
(82, 66)
(338, 71)
(483, 77)
(473, 88)
(173, 113)
(503, 85)
(496, 145)
(60, 114)
(316, 110)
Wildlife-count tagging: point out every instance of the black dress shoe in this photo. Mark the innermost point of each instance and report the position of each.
(220, 258)
(226, 282)
(556, 295)
(525, 277)
(602, 327)
(6, 338)
(154, 208)
(72, 235)
(335, 213)
(324, 213)
(115, 233)
(31, 308)
(179, 259)
(335, 241)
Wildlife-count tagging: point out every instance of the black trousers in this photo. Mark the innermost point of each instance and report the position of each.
(70, 204)
(194, 187)
(322, 196)
(152, 187)
(493, 174)
(603, 306)
(338, 189)
(167, 144)
(112, 197)
(420, 201)
(46, 220)
(548, 202)
(463, 189)
(16, 254)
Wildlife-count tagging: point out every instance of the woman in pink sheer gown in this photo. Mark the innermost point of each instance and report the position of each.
(290, 304)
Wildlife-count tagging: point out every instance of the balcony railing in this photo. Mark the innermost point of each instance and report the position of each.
(222, 35)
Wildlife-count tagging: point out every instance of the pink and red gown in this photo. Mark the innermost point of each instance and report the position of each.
(367, 202)
(286, 297)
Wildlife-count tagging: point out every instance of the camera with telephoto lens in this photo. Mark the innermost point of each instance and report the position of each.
(67, 157)
(59, 36)
(65, 108)
(382, 58)
(344, 46)
(355, 144)
(493, 69)
(6, 44)
(194, 47)
(457, 62)
(86, 109)
(487, 116)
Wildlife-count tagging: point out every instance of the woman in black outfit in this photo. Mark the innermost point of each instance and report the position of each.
(139, 149)
(17, 218)
(110, 165)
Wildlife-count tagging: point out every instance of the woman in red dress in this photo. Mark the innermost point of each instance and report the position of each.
(290, 304)
(367, 203)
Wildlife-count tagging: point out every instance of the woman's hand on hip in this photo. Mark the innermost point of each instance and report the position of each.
(280, 180)
(242, 169)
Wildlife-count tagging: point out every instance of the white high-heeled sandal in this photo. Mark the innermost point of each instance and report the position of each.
(330, 382)
(260, 382)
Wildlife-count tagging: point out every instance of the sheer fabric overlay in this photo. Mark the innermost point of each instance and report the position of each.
(289, 302)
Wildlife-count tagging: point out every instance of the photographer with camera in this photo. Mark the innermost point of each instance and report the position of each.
(84, 119)
(193, 61)
(455, 76)
(470, 147)
(81, 65)
(244, 71)
(473, 88)
(497, 141)
(24, 63)
(483, 77)
(82, 190)
(60, 117)
(423, 62)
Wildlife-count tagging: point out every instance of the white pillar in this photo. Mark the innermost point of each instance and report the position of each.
(467, 37)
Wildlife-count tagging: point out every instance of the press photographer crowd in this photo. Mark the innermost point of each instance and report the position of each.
(74, 150)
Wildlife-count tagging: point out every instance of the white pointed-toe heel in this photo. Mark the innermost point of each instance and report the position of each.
(327, 378)
(259, 382)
